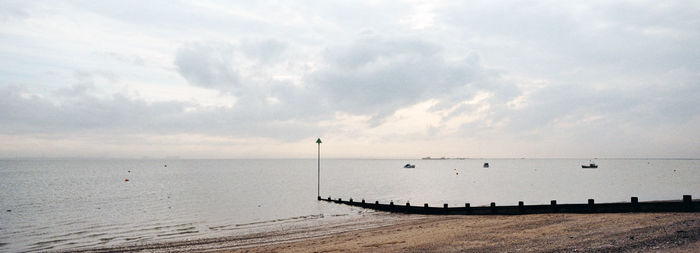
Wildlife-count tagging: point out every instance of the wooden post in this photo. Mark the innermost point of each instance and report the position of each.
(318, 176)
(521, 207)
(688, 203)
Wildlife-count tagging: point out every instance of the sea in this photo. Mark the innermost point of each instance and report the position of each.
(66, 205)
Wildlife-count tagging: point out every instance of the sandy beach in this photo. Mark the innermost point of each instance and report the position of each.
(635, 232)
(620, 232)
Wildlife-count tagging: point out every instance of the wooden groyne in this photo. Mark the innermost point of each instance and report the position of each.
(685, 205)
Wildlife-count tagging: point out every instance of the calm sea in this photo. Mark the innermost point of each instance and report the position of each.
(77, 204)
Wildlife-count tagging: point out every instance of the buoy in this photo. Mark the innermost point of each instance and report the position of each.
(126, 180)
(457, 173)
(129, 171)
(165, 165)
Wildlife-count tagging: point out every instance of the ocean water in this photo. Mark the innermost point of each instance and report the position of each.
(81, 204)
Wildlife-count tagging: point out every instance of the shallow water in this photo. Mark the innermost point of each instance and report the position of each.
(51, 205)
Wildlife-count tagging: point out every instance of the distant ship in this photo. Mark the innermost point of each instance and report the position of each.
(444, 158)
(486, 165)
(591, 165)
(409, 166)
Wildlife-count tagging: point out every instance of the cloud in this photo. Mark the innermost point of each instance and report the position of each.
(13, 10)
(210, 66)
(373, 75)
(445, 73)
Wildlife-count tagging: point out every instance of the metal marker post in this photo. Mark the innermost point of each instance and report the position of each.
(318, 189)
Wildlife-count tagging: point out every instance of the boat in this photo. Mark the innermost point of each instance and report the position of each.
(409, 166)
(486, 165)
(591, 165)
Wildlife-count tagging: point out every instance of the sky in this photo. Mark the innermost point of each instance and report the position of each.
(372, 79)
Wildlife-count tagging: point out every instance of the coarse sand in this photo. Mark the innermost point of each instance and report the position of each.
(622, 232)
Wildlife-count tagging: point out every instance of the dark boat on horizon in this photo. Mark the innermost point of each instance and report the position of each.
(590, 166)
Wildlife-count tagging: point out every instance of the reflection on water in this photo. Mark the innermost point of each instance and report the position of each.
(49, 205)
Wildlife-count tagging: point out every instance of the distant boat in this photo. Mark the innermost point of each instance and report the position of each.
(486, 165)
(409, 166)
(591, 165)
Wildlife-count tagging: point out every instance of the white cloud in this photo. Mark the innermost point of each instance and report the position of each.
(411, 78)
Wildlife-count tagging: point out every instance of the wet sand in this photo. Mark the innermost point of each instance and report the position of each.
(621, 232)
(638, 232)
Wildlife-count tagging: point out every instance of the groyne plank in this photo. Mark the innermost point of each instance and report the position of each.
(686, 205)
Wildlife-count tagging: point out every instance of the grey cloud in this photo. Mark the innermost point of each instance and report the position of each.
(13, 10)
(74, 111)
(626, 61)
(237, 68)
(209, 65)
(650, 106)
(263, 51)
(212, 65)
(377, 76)
(552, 39)
(372, 76)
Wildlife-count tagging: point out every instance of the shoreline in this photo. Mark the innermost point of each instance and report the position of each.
(637, 232)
